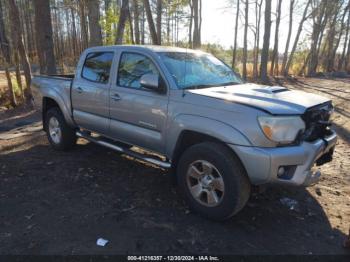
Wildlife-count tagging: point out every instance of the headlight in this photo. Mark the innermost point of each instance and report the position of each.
(281, 129)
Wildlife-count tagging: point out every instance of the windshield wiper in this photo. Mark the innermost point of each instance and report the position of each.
(198, 86)
(211, 85)
(228, 84)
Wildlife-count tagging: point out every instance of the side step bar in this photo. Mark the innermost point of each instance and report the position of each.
(126, 151)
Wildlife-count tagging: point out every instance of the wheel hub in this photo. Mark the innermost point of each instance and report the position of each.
(55, 130)
(205, 183)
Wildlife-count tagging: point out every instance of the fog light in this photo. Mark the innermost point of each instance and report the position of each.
(286, 172)
(281, 171)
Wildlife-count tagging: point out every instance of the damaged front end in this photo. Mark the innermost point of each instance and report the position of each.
(318, 126)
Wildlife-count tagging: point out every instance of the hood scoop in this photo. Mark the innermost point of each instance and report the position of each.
(271, 89)
(273, 99)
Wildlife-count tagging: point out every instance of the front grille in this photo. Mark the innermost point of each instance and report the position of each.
(317, 122)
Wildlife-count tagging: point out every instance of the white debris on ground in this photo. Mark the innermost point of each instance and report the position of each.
(292, 204)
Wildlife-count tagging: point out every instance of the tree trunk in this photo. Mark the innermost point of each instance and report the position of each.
(74, 33)
(329, 62)
(334, 51)
(245, 39)
(168, 24)
(296, 40)
(257, 44)
(274, 59)
(321, 35)
(122, 21)
(266, 44)
(57, 36)
(136, 21)
(347, 58)
(6, 52)
(315, 37)
(159, 21)
(190, 26)
(143, 26)
(151, 26)
(69, 37)
(43, 29)
(11, 92)
(18, 75)
(28, 25)
(132, 39)
(286, 49)
(200, 21)
(19, 45)
(23, 26)
(94, 23)
(55, 33)
(302, 70)
(342, 58)
(196, 22)
(235, 39)
(172, 27)
(83, 31)
(176, 28)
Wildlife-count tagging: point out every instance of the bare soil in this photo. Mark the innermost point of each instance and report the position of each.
(62, 202)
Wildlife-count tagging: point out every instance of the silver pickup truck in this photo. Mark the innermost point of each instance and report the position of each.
(220, 136)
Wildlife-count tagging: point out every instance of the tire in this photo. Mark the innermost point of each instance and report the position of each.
(227, 189)
(60, 135)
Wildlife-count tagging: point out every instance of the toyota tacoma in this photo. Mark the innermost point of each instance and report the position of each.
(218, 135)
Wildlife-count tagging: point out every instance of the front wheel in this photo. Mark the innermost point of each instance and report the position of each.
(213, 180)
(60, 135)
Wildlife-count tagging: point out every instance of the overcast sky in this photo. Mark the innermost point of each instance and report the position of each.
(219, 21)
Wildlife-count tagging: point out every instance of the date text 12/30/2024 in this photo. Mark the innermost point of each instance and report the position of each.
(173, 258)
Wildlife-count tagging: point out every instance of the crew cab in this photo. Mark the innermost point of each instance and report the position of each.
(218, 135)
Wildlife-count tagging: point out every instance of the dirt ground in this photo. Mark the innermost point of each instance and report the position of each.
(62, 202)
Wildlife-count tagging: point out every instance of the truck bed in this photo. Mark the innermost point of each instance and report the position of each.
(52, 81)
(57, 86)
(57, 76)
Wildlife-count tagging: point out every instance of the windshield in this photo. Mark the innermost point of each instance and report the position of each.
(191, 70)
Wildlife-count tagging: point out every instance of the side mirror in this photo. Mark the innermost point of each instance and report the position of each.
(150, 81)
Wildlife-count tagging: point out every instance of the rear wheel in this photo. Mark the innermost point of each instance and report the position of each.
(213, 180)
(60, 135)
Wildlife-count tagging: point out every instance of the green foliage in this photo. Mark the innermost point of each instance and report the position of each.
(108, 22)
(127, 39)
(176, 5)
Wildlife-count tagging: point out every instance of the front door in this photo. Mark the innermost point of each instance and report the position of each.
(138, 116)
(90, 92)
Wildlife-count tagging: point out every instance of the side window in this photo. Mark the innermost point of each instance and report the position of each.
(132, 67)
(97, 66)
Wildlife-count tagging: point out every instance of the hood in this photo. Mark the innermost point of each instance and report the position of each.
(273, 99)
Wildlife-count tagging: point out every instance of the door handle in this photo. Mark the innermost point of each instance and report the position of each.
(80, 90)
(115, 97)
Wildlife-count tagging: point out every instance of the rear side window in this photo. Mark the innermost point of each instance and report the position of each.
(97, 66)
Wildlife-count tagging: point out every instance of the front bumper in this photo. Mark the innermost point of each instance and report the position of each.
(262, 164)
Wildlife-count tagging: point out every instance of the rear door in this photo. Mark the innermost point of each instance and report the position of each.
(90, 92)
(138, 116)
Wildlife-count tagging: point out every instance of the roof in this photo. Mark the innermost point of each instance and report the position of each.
(154, 48)
(158, 48)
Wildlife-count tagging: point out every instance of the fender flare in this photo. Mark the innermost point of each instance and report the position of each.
(207, 126)
(55, 96)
